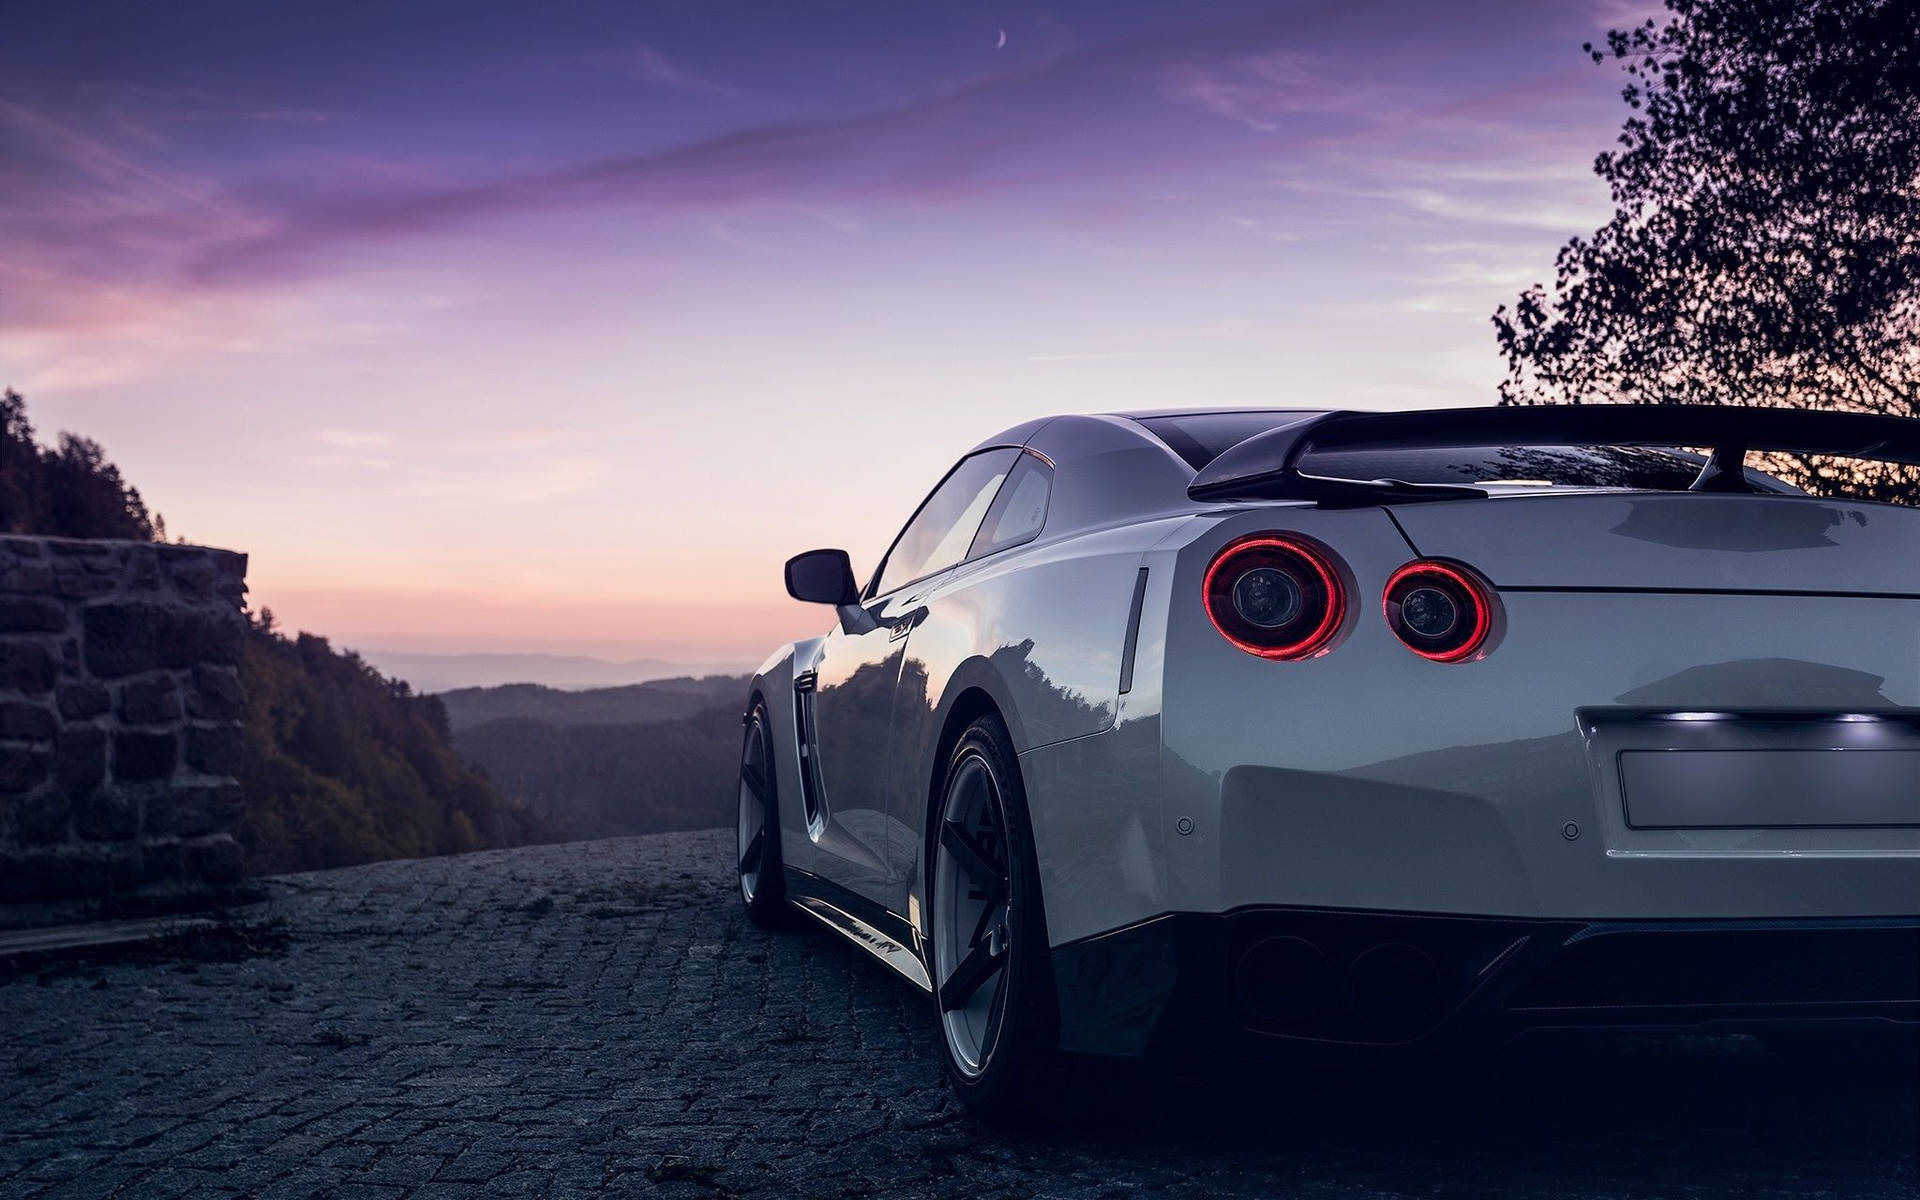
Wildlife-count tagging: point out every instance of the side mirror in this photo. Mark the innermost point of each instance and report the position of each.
(822, 577)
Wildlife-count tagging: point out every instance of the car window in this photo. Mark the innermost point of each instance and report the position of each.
(938, 535)
(1646, 467)
(1019, 510)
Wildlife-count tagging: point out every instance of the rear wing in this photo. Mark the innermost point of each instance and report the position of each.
(1266, 466)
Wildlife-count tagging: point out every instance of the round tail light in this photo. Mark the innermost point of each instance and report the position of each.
(1276, 595)
(1440, 610)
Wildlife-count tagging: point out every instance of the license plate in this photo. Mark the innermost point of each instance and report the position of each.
(1770, 788)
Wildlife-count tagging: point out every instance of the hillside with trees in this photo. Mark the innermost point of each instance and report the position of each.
(655, 700)
(342, 765)
(608, 761)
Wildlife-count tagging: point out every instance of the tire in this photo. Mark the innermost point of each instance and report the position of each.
(763, 882)
(993, 978)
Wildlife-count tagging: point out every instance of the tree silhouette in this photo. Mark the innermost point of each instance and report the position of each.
(70, 490)
(1766, 244)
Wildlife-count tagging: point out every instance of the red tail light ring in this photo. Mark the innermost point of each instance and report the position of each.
(1440, 610)
(1276, 595)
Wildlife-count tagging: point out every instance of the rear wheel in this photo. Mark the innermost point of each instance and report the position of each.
(763, 885)
(993, 985)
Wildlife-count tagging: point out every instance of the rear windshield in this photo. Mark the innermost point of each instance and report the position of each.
(1200, 438)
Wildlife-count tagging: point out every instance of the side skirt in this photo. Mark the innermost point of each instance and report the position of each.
(884, 934)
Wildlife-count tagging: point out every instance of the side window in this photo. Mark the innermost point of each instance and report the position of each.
(1019, 510)
(938, 535)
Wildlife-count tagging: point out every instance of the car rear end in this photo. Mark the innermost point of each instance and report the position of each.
(1673, 783)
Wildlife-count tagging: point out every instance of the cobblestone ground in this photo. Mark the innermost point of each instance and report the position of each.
(600, 1017)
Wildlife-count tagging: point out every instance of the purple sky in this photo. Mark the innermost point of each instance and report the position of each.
(558, 326)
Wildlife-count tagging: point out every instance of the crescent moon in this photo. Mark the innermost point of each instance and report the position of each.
(1003, 40)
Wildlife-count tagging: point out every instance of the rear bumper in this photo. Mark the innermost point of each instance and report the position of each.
(1290, 982)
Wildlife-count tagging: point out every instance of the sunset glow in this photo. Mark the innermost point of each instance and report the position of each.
(557, 328)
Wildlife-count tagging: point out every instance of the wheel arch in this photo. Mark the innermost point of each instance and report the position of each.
(974, 691)
(969, 706)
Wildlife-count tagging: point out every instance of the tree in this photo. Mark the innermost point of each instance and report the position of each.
(88, 497)
(71, 490)
(23, 493)
(1766, 243)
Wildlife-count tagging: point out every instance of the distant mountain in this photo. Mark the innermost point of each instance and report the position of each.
(609, 761)
(659, 700)
(589, 781)
(444, 672)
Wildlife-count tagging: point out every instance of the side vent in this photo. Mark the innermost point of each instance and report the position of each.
(1133, 631)
(803, 685)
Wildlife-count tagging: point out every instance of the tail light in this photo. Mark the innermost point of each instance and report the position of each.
(1441, 610)
(1276, 595)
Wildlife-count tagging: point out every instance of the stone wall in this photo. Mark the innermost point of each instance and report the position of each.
(120, 726)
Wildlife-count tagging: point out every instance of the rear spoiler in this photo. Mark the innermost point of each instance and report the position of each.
(1266, 466)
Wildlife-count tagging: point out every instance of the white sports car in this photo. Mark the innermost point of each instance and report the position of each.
(1252, 733)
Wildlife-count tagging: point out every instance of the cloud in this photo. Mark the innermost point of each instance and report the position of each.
(526, 480)
(654, 68)
(1096, 356)
(355, 439)
(950, 142)
(488, 465)
(1254, 90)
(1625, 14)
(107, 234)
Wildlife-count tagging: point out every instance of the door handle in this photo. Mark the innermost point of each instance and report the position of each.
(903, 624)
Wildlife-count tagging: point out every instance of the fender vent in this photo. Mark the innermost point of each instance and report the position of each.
(803, 685)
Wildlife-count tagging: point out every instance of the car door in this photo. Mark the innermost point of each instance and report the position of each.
(858, 673)
(955, 617)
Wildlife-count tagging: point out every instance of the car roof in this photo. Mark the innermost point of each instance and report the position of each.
(1142, 414)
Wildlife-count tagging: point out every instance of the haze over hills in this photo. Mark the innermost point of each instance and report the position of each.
(605, 762)
(445, 672)
(657, 700)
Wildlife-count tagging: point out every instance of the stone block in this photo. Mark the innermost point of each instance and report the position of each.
(123, 639)
(149, 700)
(23, 767)
(82, 584)
(215, 749)
(217, 860)
(32, 578)
(216, 693)
(160, 859)
(143, 571)
(31, 614)
(230, 568)
(59, 871)
(26, 666)
(42, 817)
(128, 638)
(80, 761)
(140, 757)
(82, 548)
(193, 810)
(191, 576)
(79, 701)
(202, 636)
(26, 721)
(108, 815)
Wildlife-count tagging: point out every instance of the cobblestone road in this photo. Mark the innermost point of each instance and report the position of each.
(600, 1017)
